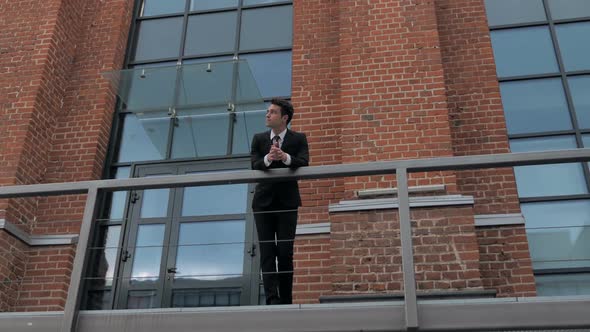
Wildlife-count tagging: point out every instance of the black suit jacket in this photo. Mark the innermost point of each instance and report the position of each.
(285, 194)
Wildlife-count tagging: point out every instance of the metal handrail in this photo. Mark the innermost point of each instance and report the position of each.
(400, 167)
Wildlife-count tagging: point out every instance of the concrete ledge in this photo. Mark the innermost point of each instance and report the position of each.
(393, 203)
(311, 229)
(393, 191)
(399, 296)
(483, 220)
(38, 240)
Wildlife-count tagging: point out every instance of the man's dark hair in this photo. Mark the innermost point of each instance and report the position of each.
(286, 108)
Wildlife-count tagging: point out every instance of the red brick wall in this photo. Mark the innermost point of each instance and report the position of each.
(13, 259)
(312, 277)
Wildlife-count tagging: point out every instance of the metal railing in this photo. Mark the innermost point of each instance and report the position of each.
(401, 168)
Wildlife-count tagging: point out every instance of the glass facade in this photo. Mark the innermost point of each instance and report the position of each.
(198, 76)
(542, 54)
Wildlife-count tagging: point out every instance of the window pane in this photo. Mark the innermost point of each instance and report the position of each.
(561, 9)
(98, 300)
(159, 38)
(159, 7)
(201, 135)
(558, 233)
(211, 33)
(574, 43)
(155, 202)
(548, 180)
(523, 51)
(502, 12)
(542, 100)
(214, 200)
(212, 4)
(272, 72)
(118, 198)
(580, 88)
(148, 253)
(205, 298)
(563, 284)
(247, 124)
(211, 250)
(264, 28)
(144, 137)
(259, 2)
(106, 251)
(142, 300)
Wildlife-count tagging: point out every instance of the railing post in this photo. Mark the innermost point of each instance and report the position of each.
(72, 303)
(410, 302)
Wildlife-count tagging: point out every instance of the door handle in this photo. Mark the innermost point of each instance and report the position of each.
(252, 250)
(172, 270)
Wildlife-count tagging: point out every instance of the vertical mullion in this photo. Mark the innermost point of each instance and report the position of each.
(234, 81)
(565, 84)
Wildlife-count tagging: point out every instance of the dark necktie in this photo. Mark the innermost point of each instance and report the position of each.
(276, 140)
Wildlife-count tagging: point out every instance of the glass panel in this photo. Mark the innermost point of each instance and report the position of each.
(542, 100)
(558, 233)
(264, 28)
(272, 72)
(103, 269)
(158, 38)
(259, 2)
(118, 198)
(212, 4)
(502, 12)
(144, 137)
(148, 253)
(214, 200)
(142, 299)
(574, 44)
(579, 88)
(548, 180)
(211, 33)
(563, 284)
(211, 250)
(155, 202)
(147, 87)
(159, 7)
(562, 9)
(523, 51)
(201, 135)
(205, 298)
(98, 300)
(247, 124)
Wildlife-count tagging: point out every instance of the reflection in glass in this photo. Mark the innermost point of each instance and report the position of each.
(542, 100)
(272, 72)
(563, 284)
(155, 201)
(264, 28)
(144, 137)
(211, 250)
(205, 298)
(574, 44)
(98, 300)
(558, 233)
(106, 252)
(201, 135)
(143, 299)
(148, 87)
(247, 124)
(564, 9)
(211, 33)
(148, 253)
(548, 180)
(501, 12)
(260, 2)
(579, 88)
(212, 4)
(118, 198)
(523, 51)
(207, 84)
(158, 38)
(159, 7)
(213, 200)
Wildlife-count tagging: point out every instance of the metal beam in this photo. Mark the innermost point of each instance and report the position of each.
(73, 299)
(312, 172)
(411, 308)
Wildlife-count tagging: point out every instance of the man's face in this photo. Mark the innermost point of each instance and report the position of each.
(274, 120)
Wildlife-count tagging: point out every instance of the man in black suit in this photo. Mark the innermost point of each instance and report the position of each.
(275, 204)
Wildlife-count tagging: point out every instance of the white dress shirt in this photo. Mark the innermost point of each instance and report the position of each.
(282, 136)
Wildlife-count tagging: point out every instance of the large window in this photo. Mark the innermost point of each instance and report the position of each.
(169, 120)
(542, 53)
